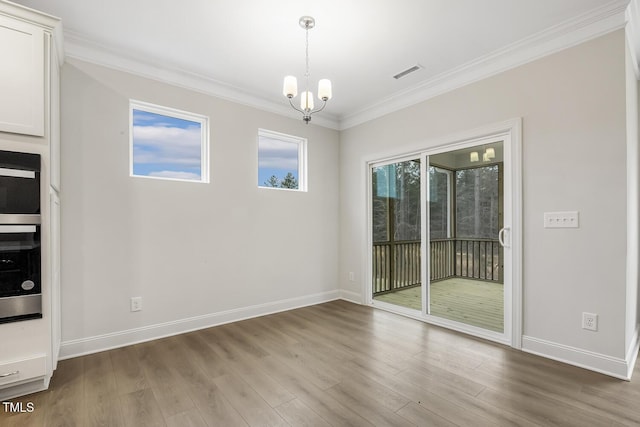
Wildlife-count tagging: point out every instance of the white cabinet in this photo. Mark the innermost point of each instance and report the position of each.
(54, 121)
(30, 60)
(54, 231)
(22, 80)
(18, 371)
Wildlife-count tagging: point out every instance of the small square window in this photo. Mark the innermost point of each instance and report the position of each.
(282, 161)
(166, 143)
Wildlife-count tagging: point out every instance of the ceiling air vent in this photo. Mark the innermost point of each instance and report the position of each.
(410, 70)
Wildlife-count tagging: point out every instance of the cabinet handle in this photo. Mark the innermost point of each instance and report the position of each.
(9, 374)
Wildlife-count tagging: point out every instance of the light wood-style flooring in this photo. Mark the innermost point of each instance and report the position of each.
(333, 364)
(474, 302)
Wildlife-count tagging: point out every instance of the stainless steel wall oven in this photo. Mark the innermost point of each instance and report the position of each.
(20, 245)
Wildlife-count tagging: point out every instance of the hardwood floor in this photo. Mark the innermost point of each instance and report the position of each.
(474, 302)
(333, 364)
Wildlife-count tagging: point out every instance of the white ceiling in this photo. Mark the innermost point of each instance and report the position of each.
(242, 49)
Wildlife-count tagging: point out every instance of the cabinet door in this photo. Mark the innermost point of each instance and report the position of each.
(22, 76)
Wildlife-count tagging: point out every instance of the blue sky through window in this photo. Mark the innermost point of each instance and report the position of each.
(276, 157)
(166, 147)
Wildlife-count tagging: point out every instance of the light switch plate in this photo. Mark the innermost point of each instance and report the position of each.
(569, 219)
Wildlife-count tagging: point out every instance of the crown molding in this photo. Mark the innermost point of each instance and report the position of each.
(584, 27)
(47, 22)
(633, 33)
(81, 48)
(600, 21)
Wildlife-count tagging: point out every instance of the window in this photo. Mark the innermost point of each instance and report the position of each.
(168, 144)
(281, 161)
(396, 201)
(478, 202)
(440, 180)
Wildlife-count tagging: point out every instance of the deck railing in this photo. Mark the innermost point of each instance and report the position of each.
(396, 265)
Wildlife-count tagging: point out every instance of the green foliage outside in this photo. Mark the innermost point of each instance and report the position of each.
(289, 181)
(396, 193)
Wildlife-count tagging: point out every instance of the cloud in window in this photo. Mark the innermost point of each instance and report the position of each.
(277, 154)
(166, 147)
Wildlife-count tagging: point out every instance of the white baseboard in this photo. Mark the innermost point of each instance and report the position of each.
(632, 353)
(94, 344)
(612, 366)
(11, 392)
(351, 296)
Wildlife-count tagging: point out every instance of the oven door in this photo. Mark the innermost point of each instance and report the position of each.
(20, 272)
(19, 191)
(19, 183)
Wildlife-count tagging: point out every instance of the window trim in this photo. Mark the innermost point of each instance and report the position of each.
(302, 158)
(178, 114)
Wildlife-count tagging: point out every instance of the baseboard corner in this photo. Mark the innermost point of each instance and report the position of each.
(350, 296)
(632, 353)
(602, 363)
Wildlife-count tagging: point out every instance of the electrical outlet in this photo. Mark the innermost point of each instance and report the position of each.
(590, 321)
(352, 276)
(136, 303)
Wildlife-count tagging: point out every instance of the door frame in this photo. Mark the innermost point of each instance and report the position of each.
(510, 132)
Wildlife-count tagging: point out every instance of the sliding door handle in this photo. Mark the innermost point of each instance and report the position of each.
(501, 236)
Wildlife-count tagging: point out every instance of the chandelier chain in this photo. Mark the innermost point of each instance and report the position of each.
(306, 75)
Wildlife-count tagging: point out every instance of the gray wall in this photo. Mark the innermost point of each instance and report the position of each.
(574, 155)
(195, 250)
(188, 249)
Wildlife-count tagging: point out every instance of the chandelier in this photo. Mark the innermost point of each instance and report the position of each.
(488, 155)
(290, 89)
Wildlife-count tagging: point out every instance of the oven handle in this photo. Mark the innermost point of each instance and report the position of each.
(17, 173)
(6, 229)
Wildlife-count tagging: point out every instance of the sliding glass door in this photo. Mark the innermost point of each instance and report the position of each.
(437, 237)
(465, 256)
(396, 233)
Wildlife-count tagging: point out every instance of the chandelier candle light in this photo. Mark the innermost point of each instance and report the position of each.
(489, 154)
(290, 89)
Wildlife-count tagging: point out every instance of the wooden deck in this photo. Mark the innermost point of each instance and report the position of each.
(473, 302)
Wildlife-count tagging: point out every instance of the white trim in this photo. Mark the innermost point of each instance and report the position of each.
(574, 31)
(632, 32)
(612, 366)
(595, 23)
(445, 323)
(48, 23)
(515, 133)
(27, 14)
(94, 344)
(78, 47)
(302, 157)
(632, 353)
(510, 132)
(351, 296)
(23, 389)
(425, 247)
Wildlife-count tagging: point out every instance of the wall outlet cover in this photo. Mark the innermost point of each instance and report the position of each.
(590, 321)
